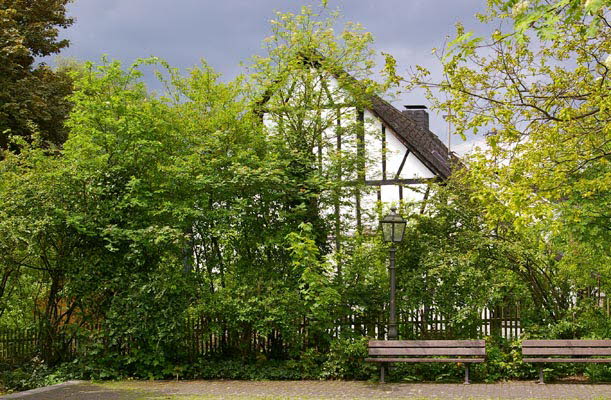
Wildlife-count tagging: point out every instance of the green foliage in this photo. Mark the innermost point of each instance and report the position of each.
(29, 375)
(319, 296)
(213, 200)
(542, 89)
(503, 362)
(451, 262)
(545, 17)
(142, 333)
(234, 369)
(33, 104)
(162, 206)
(598, 372)
(585, 320)
(345, 360)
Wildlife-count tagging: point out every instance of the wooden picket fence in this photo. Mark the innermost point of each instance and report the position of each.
(16, 344)
(203, 336)
(498, 321)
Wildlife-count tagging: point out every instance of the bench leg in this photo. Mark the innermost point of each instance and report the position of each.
(382, 368)
(467, 382)
(541, 375)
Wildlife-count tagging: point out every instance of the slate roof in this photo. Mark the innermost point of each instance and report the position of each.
(425, 145)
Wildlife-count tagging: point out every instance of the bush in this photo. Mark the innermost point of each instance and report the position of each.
(503, 362)
(345, 360)
(30, 375)
(598, 372)
(236, 369)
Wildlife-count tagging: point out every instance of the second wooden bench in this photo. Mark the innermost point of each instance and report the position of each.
(565, 351)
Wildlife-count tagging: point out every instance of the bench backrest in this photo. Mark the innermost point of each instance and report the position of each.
(566, 347)
(427, 348)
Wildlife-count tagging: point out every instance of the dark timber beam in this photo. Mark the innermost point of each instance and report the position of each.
(402, 164)
(360, 160)
(383, 151)
(326, 106)
(383, 182)
(337, 211)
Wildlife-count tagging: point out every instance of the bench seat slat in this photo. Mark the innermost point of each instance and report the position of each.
(427, 343)
(428, 360)
(566, 343)
(567, 360)
(566, 351)
(427, 351)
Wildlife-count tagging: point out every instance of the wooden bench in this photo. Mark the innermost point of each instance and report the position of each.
(565, 351)
(428, 351)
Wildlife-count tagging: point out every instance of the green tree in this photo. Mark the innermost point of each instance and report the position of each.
(108, 214)
(454, 262)
(310, 89)
(190, 203)
(33, 103)
(540, 84)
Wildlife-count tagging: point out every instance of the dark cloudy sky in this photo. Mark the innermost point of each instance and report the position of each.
(228, 32)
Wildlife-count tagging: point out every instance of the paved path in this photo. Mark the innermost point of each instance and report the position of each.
(76, 391)
(321, 389)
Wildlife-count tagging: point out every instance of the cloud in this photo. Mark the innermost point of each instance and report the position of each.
(228, 32)
(465, 147)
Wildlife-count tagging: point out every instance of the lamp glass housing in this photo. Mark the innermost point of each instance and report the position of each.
(393, 227)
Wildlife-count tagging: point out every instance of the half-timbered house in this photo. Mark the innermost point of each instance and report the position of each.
(396, 156)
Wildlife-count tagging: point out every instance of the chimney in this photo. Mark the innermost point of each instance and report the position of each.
(418, 114)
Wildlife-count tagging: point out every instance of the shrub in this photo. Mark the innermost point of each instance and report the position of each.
(30, 375)
(345, 360)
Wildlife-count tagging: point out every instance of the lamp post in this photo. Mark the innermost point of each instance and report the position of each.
(393, 227)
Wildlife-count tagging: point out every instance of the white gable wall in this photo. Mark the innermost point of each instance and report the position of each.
(373, 146)
(376, 138)
(414, 168)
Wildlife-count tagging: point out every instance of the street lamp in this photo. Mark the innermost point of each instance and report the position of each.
(393, 227)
